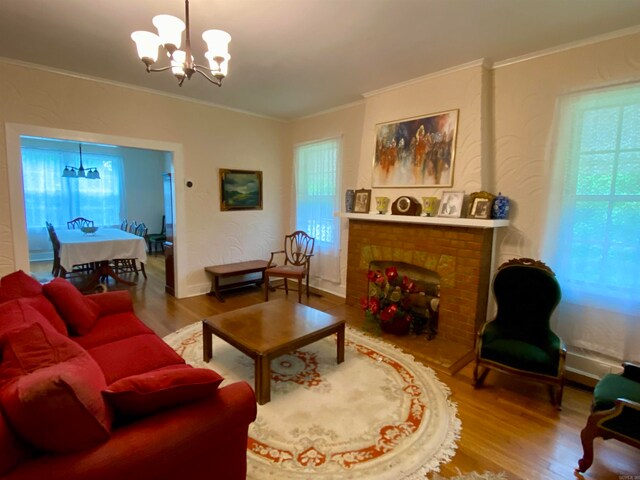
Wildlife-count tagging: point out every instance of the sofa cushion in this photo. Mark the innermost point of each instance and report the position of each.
(133, 356)
(50, 391)
(156, 390)
(19, 285)
(78, 312)
(17, 314)
(111, 328)
(12, 449)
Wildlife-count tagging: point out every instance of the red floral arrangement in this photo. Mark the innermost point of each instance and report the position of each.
(389, 302)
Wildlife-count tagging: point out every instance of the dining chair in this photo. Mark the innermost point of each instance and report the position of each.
(79, 222)
(124, 225)
(130, 265)
(155, 239)
(132, 227)
(58, 270)
(297, 252)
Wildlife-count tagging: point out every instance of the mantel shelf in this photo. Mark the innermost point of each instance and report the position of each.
(446, 221)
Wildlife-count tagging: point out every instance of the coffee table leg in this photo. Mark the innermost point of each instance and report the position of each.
(207, 343)
(341, 344)
(263, 379)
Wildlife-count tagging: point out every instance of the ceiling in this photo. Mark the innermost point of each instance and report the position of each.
(291, 58)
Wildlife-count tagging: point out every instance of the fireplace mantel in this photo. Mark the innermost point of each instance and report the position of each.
(444, 221)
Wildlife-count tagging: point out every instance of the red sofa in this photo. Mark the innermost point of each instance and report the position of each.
(87, 391)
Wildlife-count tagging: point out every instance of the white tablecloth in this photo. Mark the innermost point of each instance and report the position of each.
(77, 248)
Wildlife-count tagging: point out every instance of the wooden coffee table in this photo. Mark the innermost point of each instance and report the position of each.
(268, 330)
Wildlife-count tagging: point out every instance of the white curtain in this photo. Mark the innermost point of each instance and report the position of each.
(50, 197)
(593, 221)
(316, 173)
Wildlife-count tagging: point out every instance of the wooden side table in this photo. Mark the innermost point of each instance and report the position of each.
(233, 270)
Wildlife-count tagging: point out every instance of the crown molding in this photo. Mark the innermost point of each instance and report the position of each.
(81, 76)
(569, 46)
(447, 71)
(331, 110)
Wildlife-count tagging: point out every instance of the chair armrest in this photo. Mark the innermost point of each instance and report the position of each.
(110, 303)
(631, 371)
(273, 254)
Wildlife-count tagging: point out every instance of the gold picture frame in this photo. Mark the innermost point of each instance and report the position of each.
(240, 189)
(474, 210)
(362, 201)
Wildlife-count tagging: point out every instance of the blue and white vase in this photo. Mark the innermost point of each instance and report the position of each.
(349, 200)
(500, 210)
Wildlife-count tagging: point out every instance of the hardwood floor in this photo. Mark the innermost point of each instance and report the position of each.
(507, 426)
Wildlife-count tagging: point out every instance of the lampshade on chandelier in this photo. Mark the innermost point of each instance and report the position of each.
(181, 61)
(81, 172)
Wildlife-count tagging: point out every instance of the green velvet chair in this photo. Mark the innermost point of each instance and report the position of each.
(615, 412)
(519, 340)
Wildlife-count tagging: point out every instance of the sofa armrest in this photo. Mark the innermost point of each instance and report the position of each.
(110, 303)
(190, 441)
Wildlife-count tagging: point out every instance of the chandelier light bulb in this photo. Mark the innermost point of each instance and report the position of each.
(170, 30)
(177, 63)
(147, 44)
(217, 42)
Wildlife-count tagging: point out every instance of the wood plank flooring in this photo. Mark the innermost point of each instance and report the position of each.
(507, 426)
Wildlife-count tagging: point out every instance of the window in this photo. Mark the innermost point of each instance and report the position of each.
(50, 197)
(595, 212)
(316, 176)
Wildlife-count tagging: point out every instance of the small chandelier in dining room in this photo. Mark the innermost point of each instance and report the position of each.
(81, 172)
(182, 62)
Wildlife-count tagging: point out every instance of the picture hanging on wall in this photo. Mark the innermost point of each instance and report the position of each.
(240, 189)
(416, 152)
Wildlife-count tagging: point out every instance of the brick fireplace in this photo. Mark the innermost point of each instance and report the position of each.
(459, 253)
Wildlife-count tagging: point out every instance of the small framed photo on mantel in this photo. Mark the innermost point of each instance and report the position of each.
(362, 201)
(451, 204)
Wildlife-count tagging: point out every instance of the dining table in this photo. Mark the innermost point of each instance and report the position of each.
(100, 248)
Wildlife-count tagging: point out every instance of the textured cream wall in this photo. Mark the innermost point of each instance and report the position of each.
(211, 138)
(525, 100)
(345, 123)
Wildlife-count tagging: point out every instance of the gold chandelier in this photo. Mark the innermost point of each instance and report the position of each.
(182, 63)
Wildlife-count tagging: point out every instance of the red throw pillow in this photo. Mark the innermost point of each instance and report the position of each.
(50, 391)
(159, 389)
(18, 284)
(79, 312)
(17, 314)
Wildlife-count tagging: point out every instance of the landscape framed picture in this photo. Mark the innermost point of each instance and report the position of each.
(416, 152)
(240, 189)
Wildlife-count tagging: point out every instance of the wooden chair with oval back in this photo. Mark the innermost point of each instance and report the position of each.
(519, 341)
(297, 252)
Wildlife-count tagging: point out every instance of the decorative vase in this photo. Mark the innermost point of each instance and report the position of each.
(382, 205)
(349, 200)
(500, 210)
(429, 206)
(397, 326)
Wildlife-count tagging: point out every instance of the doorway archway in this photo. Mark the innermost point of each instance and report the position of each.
(16, 191)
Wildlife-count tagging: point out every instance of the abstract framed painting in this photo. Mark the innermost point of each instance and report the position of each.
(416, 152)
(240, 189)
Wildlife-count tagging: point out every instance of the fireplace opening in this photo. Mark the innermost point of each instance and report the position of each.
(426, 301)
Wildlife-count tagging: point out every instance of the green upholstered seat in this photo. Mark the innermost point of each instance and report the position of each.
(615, 412)
(519, 339)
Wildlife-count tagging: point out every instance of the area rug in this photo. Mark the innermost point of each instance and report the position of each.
(379, 415)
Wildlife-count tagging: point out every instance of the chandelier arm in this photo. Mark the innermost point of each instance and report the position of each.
(153, 70)
(217, 81)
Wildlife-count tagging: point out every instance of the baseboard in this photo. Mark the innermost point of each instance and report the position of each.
(588, 369)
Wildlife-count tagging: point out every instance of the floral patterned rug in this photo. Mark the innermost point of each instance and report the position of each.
(380, 414)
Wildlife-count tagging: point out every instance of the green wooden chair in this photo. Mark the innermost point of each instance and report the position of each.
(615, 412)
(519, 340)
